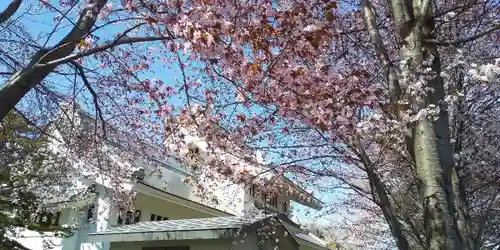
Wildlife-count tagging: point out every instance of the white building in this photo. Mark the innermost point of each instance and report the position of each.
(169, 214)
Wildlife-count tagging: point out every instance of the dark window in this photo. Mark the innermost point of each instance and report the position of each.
(194, 151)
(47, 219)
(155, 217)
(90, 212)
(137, 216)
(130, 217)
(253, 190)
(285, 207)
(56, 219)
(271, 199)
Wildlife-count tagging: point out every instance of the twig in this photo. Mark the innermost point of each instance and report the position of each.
(94, 96)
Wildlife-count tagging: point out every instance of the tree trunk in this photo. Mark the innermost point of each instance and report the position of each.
(429, 142)
(381, 198)
(33, 74)
(431, 139)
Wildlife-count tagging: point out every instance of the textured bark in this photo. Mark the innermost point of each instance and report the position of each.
(445, 211)
(431, 139)
(379, 193)
(10, 10)
(26, 79)
(381, 198)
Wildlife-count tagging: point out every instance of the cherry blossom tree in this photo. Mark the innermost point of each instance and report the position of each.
(378, 98)
(395, 101)
(28, 178)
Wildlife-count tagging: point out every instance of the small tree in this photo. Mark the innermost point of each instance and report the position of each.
(26, 176)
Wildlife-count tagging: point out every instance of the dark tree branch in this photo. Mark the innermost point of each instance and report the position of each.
(10, 11)
(30, 76)
(463, 40)
(87, 84)
(129, 40)
(484, 220)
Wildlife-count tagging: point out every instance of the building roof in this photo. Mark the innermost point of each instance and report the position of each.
(198, 224)
(196, 228)
(309, 239)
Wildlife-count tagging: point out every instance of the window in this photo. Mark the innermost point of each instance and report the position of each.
(47, 219)
(285, 207)
(130, 217)
(253, 190)
(194, 151)
(270, 199)
(273, 201)
(90, 212)
(155, 217)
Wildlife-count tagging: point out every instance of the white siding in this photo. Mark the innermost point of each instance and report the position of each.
(249, 242)
(165, 177)
(151, 205)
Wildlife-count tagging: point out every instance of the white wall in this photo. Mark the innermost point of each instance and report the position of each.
(165, 178)
(229, 197)
(151, 205)
(249, 242)
(35, 241)
(47, 241)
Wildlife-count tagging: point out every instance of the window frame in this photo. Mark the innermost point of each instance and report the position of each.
(131, 217)
(156, 217)
(47, 220)
(253, 190)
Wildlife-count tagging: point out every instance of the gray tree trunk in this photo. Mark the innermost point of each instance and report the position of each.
(431, 138)
(446, 220)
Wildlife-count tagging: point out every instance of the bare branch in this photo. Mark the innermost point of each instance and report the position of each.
(87, 84)
(484, 219)
(129, 40)
(464, 40)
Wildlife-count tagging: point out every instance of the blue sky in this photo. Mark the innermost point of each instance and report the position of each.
(38, 25)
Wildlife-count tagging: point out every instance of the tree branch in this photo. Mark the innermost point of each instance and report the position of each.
(379, 193)
(10, 11)
(464, 40)
(129, 40)
(87, 84)
(30, 76)
(484, 219)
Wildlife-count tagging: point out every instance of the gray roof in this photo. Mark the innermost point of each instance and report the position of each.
(308, 238)
(199, 224)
